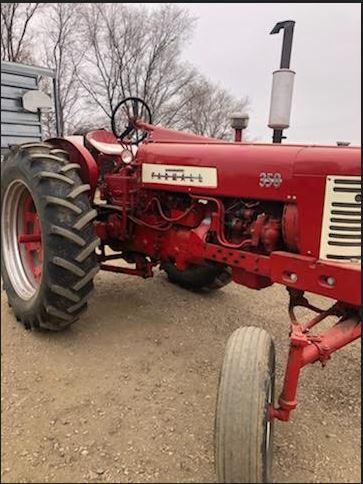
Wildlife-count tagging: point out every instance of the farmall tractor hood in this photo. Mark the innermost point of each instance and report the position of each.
(262, 171)
(299, 174)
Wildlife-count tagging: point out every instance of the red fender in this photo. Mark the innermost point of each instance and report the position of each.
(79, 154)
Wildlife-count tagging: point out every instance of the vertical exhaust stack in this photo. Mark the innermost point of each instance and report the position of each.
(282, 84)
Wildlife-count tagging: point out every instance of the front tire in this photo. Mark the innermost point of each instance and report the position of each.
(243, 432)
(48, 258)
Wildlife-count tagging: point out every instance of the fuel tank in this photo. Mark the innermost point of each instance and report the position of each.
(262, 171)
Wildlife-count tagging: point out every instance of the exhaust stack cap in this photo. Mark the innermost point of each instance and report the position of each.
(239, 120)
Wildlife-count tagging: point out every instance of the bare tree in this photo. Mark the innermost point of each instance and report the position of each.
(63, 52)
(105, 52)
(134, 51)
(15, 30)
(204, 108)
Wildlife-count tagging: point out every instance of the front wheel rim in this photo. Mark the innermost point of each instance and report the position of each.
(268, 434)
(21, 235)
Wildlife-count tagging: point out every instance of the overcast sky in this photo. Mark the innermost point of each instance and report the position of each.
(231, 45)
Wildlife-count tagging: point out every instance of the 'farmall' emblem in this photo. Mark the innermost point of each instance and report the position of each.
(201, 176)
(177, 174)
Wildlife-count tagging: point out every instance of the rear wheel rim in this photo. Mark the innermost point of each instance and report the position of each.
(21, 234)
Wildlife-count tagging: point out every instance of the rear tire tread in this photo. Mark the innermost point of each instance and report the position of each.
(67, 234)
(70, 166)
(92, 273)
(79, 191)
(68, 266)
(62, 291)
(43, 175)
(34, 157)
(85, 219)
(56, 151)
(70, 262)
(53, 311)
(62, 203)
(88, 250)
(80, 303)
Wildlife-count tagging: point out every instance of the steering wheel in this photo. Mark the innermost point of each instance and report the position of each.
(123, 116)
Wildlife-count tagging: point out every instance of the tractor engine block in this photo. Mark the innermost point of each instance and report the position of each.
(258, 225)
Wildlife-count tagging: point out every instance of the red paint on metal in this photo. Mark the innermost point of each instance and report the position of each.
(238, 167)
(100, 229)
(30, 239)
(125, 270)
(303, 170)
(103, 136)
(305, 349)
(343, 333)
(250, 279)
(158, 134)
(290, 227)
(26, 238)
(271, 234)
(312, 274)
(79, 154)
(264, 233)
(238, 135)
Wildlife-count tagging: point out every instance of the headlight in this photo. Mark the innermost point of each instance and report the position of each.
(127, 156)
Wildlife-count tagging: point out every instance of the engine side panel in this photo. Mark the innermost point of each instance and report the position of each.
(286, 173)
(240, 169)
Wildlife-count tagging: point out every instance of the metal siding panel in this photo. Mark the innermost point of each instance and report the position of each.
(6, 141)
(26, 70)
(18, 81)
(12, 92)
(17, 125)
(11, 105)
(22, 130)
(9, 117)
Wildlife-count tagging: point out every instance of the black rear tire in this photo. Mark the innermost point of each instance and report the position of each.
(208, 276)
(243, 433)
(67, 236)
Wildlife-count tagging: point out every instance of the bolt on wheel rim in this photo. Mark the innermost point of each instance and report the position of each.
(21, 236)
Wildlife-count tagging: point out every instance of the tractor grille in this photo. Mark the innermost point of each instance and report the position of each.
(341, 227)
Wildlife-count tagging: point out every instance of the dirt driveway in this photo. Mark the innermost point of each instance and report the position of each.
(128, 394)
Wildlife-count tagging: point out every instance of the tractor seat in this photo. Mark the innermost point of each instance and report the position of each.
(104, 142)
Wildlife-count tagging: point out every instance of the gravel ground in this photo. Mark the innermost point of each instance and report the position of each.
(128, 393)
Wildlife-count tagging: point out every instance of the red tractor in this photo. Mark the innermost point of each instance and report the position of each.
(208, 212)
